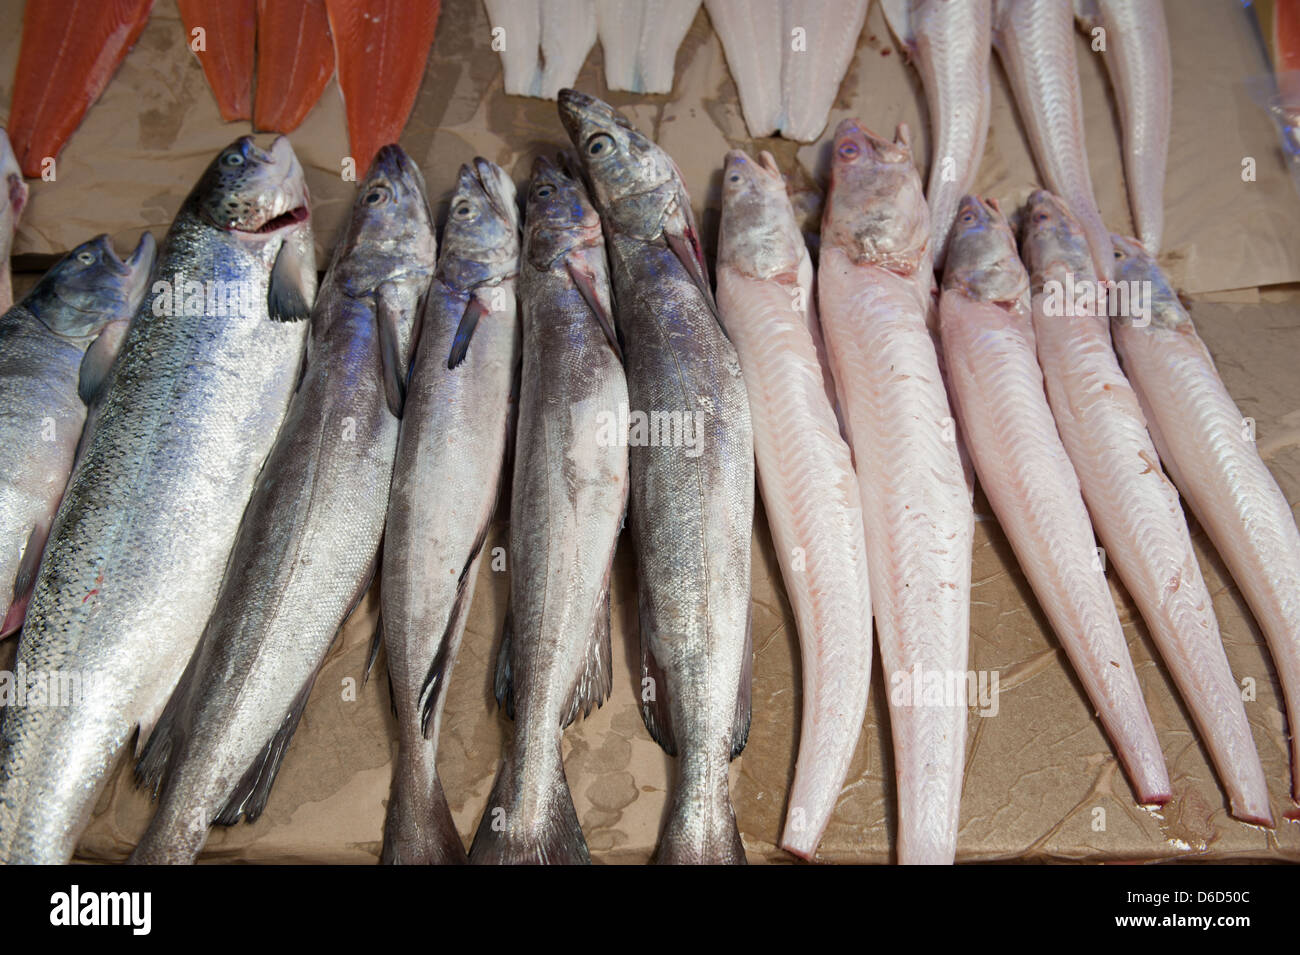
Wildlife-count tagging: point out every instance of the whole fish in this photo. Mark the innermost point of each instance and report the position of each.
(308, 545)
(1035, 41)
(805, 473)
(874, 294)
(55, 351)
(1133, 506)
(997, 388)
(691, 465)
(567, 504)
(446, 482)
(139, 546)
(950, 44)
(13, 199)
(1137, 59)
(1209, 449)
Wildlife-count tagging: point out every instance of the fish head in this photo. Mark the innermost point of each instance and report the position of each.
(252, 193)
(759, 235)
(390, 235)
(559, 216)
(1052, 242)
(982, 261)
(13, 190)
(91, 287)
(633, 182)
(876, 212)
(1137, 267)
(480, 243)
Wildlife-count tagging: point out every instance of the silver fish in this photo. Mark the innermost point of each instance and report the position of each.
(692, 479)
(309, 541)
(568, 499)
(450, 460)
(56, 347)
(138, 548)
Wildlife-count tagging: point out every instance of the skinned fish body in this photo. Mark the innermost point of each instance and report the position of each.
(1210, 453)
(998, 392)
(1035, 41)
(56, 348)
(450, 461)
(1133, 506)
(309, 541)
(567, 504)
(950, 44)
(139, 545)
(1137, 59)
(805, 473)
(874, 294)
(692, 498)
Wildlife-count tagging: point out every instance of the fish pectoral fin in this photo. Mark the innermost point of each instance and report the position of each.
(474, 310)
(744, 696)
(98, 362)
(584, 279)
(293, 282)
(655, 712)
(254, 788)
(33, 550)
(390, 319)
(595, 678)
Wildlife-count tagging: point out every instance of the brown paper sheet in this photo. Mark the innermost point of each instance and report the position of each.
(1042, 783)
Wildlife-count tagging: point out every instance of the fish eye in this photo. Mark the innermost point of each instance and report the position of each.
(849, 150)
(463, 210)
(545, 192)
(600, 145)
(734, 177)
(968, 217)
(375, 196)
(86, 258)
(1040, 216)
(233, 158)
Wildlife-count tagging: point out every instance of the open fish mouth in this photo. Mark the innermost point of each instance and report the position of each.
(284, 220)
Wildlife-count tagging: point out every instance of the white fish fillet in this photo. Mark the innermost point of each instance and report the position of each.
(752, 39)
(813, 41)
(1208, 447)
(997, 388)
(874, 294)
(1137, 59)
(950, 44)
(639, 40)
(542, 44)
(806, 477)
(1035, 41)
(1134, 508)
(13, 197)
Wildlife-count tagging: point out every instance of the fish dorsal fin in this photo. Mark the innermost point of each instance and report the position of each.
(435, 681)
(655, 710)
(591, 688)
(474, 310)
(584, 279)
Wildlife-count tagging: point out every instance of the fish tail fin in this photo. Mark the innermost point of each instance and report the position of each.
(419, 829)
(714, 841)
(546, 835)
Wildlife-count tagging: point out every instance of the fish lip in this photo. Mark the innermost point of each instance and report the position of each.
(497, 187)
(292, 205)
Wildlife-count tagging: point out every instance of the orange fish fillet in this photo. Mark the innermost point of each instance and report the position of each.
(70, 50)
(380, 47)
(295, 59)
(230, 30)
(1286, 35)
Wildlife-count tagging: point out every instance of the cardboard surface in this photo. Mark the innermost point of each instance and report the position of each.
(1040, 770)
